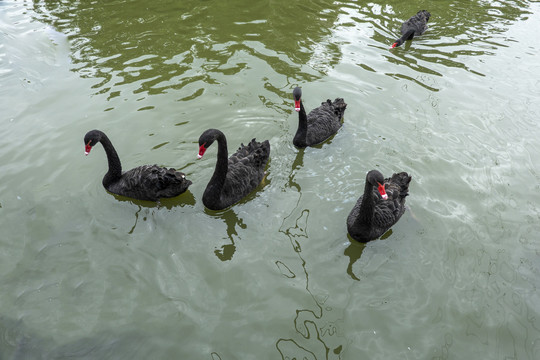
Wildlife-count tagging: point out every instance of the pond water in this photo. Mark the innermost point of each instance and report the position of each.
(86, 274)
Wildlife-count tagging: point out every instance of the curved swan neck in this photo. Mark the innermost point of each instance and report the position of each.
(365, 215)
(222, 164)
(409, 34)
(301, 133)
(115, 167)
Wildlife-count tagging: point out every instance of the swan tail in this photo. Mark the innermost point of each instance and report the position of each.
(262, 153)
(425, 14)
(339, 106)
(401, 181)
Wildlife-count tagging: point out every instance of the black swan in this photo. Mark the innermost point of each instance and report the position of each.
(320, 124)
(147, 182)
(415, 26)
(235, 177)
(380, 207)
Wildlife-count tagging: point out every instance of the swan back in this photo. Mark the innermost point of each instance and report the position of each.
(418, 23)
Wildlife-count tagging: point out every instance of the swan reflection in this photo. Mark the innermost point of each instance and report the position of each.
(185, 199)
(353, 251)
(317, 330)
(231, 219)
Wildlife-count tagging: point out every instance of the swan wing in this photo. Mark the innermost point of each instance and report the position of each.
(151, 182)
(246, 169)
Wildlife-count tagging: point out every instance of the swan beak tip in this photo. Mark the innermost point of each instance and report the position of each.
(86, 153)
(385, 197)
(297, 109)
(199, 156)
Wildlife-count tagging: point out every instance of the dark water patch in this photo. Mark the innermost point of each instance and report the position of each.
(172, 42)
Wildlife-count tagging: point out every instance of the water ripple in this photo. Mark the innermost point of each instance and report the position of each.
(461, 266)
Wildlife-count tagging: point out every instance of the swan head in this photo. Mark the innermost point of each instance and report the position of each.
(90, 139)
(375, 178)
(396, 44)
(207, 138)
(297, 94)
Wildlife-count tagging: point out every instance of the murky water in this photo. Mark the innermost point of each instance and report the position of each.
(86, 274)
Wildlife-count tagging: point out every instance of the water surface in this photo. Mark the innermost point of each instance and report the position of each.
(86, 274)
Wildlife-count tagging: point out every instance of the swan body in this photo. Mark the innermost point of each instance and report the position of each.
(234, 177)
(380, 207)
(415, 26)
(320, 123)
(147, 182)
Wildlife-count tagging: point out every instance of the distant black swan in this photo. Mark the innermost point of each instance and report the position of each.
(380, 207)
(415, 26)
(320, 124)
(147, 182)
(236, 177)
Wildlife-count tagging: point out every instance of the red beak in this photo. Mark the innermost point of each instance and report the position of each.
(297, 105)
(202, 149)
(87, 148)
(382, 191)
(393, 45)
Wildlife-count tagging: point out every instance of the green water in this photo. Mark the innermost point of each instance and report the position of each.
(86, 274)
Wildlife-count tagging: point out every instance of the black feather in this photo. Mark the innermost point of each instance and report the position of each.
(235, 177)
(415, 26)
(320, 123)
(372, 216)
